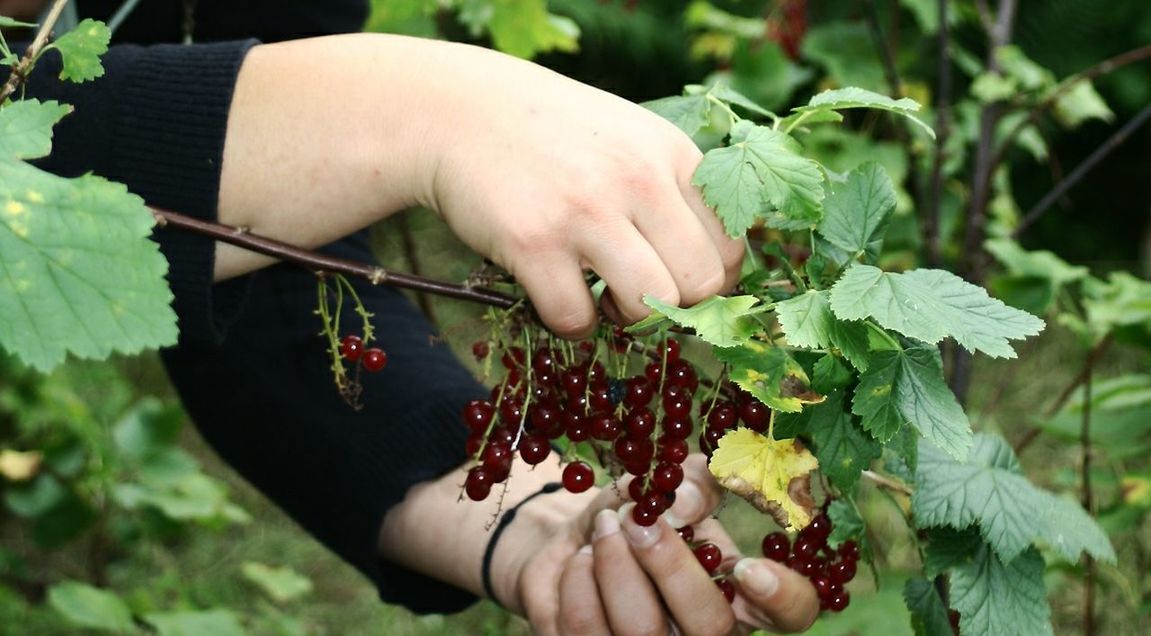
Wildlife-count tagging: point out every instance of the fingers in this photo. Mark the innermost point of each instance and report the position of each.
(580, 609)
(774, 595)
(629, 264)
(730, 250)
(696, 605)
(559, 294)
(629, 598)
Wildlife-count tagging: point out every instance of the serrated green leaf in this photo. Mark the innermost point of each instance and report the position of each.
(282, 584)
(830, 374)
(1122, 301)
(1034, 263)
(524, 28)
(760, 172)
(987, 489)
(992, 595)
(81, 49)
(719, 320)
(26, 128)
(90, 607)
(907, 387)
(808, 322)
(217, 622)
(846, 524)
(855, 97)
(855, 213)
(1081, 103)
(1024, 70)
(930, 305)
(689, 113)
(928, 612)
(79, 274)
(770, 374)
(843, 450)
(727, 94)
(949, 548)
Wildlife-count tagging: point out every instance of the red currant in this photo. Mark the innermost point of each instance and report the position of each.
(578, 477)
(839, 602)
(841, 571)
(687, 533)
(477, 415)
(776, 546)
(534, 449)
(727, 587)
(709, 556)
(480, 349)
(755, 415)
(375, 359)
(352, 347)
(667, 476)
(478, 483)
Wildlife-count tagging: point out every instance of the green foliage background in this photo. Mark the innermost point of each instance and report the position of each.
(129, 499)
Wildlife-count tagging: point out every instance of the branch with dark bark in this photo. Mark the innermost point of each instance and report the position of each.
(315, 261)
(943, 134)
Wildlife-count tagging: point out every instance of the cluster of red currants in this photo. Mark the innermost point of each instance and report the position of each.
(711, 558)
(373, 359)
(639, 424)
(828, 569)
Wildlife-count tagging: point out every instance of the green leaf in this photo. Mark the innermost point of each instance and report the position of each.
(282, 584)
(808, 322)
(1036, 263)
(1022, 69)
(949, 548)
(689, 113)
(524, 28)
(928, 612)
(721, 321)
(1081, 103)
(846, 524)
(90, 607)
(760, 171)
(991, 595)
(843, 450)
(26, 128)
(988, 489)
(148, 428)
(1122, 301)
(907, 387)
(82, 48)
(78, 274)
(855, 213)
(830, 374)
(216, 622)
(931, 304)
(770, 374)
(847, 50)
(855, 97)
(727, 94)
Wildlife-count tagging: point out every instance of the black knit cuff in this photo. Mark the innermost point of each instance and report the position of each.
(168, 144)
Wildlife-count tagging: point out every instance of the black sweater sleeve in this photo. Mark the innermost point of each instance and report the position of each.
(156, 121)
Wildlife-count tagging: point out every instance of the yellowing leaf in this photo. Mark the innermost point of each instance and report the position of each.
(771, 474)
(20, 466)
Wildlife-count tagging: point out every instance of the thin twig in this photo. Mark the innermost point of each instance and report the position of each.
(890, 72)
(21, 69)
(1103, 68)
(943, 134)
(1082, 169)
(321, 262)
(1089, 363)
(1089, 506)
(886, 482)
(985, 17)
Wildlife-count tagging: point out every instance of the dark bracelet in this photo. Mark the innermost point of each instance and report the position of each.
(505, 520)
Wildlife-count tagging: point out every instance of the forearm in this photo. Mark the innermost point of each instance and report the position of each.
(437, 534)
(325, 136)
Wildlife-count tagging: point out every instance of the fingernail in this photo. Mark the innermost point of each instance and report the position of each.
(606, 524)
(586, 550)
(756, 578)
(638, 536)
(688, 506)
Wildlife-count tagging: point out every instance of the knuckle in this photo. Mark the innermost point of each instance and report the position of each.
(647, 626)
(569, 325)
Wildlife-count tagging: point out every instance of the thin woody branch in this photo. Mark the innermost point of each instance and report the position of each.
(22, 68)
(315, 261)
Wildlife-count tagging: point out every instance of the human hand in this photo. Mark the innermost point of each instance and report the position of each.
(549, 177)
(601, 573)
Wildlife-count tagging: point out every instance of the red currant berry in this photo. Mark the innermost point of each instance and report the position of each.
(635, 488)
(644, 517)
(639, 422)
(478, 484)
(776, 546)
(480, 349)
(709, 556)
(687, 533)
(639, 392)
(352, 347)
(578, 477)
(839, 602)
(803, 566)
(728, 588)
(497, 457)
(841, 571)
(709, 440)
(653, 372)
(682, 373)
(823, 587)
(472, 446)
(805, 548)
(652, 503)
(544, 361)
(534, 449)
(677, 406)
(477, 415)
(374, 360)
(667, 476)
(673, 450)
(820, 527)
(513, 358)
(723, 416)
(670, 350)
(605, 427)
(676, 427)
(576, 426)
(849, 551)
(755, 415)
